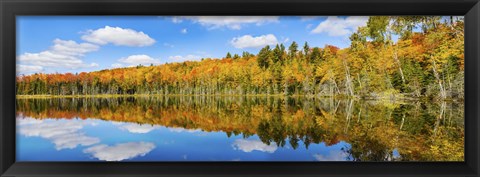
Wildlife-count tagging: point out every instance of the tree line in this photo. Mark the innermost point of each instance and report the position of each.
(392, 56)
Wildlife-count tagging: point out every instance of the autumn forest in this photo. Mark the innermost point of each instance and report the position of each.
(398, 57)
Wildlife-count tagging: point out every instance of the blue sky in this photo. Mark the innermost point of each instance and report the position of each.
(51, 44)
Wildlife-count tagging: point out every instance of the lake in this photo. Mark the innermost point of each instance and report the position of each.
(237, 128)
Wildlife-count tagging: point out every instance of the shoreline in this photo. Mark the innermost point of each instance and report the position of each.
(397, 98)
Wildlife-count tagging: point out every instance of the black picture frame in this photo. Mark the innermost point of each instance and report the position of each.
(11, 8)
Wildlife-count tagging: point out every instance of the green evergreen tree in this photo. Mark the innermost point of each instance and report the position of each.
(236, 56)
(306, 49)
(292, 50)
(264, 57)
(315, 56)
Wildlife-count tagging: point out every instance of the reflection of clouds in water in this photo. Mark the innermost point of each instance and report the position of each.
(335, 155)
(137, 128)
(27, 121)
(146, 128)
(179, 130)
(253, 145)
(120, 151)
(64, 134)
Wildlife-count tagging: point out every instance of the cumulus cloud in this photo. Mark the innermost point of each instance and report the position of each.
(118, 36)
(253, 145)
(26, 121)
(120, 151)
(230, 22)
(336, 26)
(63, 54)
(139, 59)
(72, 48)
(335, 155)
(64, 134)
(136, 128)
(28, 69)
(248, 41)
(179, 58)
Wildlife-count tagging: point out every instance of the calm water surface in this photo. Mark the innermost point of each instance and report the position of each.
(237, 129)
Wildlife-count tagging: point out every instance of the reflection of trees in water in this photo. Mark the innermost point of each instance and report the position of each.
(418, 131)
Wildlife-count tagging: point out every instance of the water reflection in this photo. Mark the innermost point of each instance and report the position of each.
(137, 128)
(64, 134)
(279, 128)
(120, 151)
(253, 145)
(334, 155)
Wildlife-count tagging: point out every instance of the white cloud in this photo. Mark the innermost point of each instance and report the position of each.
(120, 151)
(139, 59)
(248, 41)
(184, 31)
(335, 26)
(118, 36)
(136, 128)
(64, 134)
(177, 19)
(26, 121)
(179, 58)
(230, 22)
(71, 48)
(253, 145)
(335, 155)
(63, 54)
(28, 69)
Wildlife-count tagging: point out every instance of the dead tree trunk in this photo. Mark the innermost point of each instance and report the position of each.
(443, 93)
(348, 83)
(395, 57)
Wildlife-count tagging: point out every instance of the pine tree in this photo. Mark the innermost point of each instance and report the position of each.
(306, 49)
(292, 50)
(315, 56)
(236, 56)
(264, 57)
